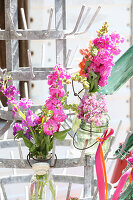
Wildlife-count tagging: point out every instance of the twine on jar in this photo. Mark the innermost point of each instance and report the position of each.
(40, 168)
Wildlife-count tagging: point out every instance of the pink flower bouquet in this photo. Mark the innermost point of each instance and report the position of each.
(98, 58)
(39, 130)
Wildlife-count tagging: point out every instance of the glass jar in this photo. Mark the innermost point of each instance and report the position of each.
(86, 136)
(42, 186)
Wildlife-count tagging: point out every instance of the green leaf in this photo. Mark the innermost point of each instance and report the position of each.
(93, 81)
(94, 51)
(27, 142)
(61, 134)
(87, 65)
(34, 148)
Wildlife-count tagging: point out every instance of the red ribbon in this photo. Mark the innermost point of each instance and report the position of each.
(100, 166)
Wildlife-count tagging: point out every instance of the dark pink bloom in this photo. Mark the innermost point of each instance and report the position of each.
(50, 127)
(31, 119)
(59, 115)
(25, 103)
(10, 91)
(102, 51)
(17, 127)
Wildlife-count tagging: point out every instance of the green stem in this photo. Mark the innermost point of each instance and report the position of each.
(43, 182)
(33, 134)
(51, 187)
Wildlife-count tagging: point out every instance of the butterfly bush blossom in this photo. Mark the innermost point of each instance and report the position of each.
(93, 108)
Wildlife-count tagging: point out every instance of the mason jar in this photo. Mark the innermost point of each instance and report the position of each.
(42, 186)
(86, 137)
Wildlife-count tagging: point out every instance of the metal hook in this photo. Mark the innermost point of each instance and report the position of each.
(91, 21)
(30, 64)
(50, 21)
(12, 25)
(13, 169)
(69, 190)
(6, 127)
(67, 57)
(83, 19)
(78, 22)
(3, 190)
(23, 18)
(43, 55)
(73, 56)
(20, 152)
(126, 140)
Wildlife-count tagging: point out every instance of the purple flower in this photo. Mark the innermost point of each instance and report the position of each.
(31, 119)
(25, 103)
(14, 103)
(17, 127)
(10, 91)
(28, 134)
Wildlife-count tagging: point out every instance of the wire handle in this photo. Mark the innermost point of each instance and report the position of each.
(41, 160)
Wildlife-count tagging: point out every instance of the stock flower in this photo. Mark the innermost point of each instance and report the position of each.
(31, 119)
(59, 115)
(17, 127)
(50, 127)
(10, 91)
(52, 78)
(25, 103)
(56, 80)
(53, 103)
(100, 54)
(93, 108)
(28, 134)
(15, 105)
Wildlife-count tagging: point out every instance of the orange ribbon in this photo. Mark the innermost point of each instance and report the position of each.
(100, 163)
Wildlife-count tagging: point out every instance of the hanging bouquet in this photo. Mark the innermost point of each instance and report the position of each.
(39, 129)
(98, 58)
(95, 69)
